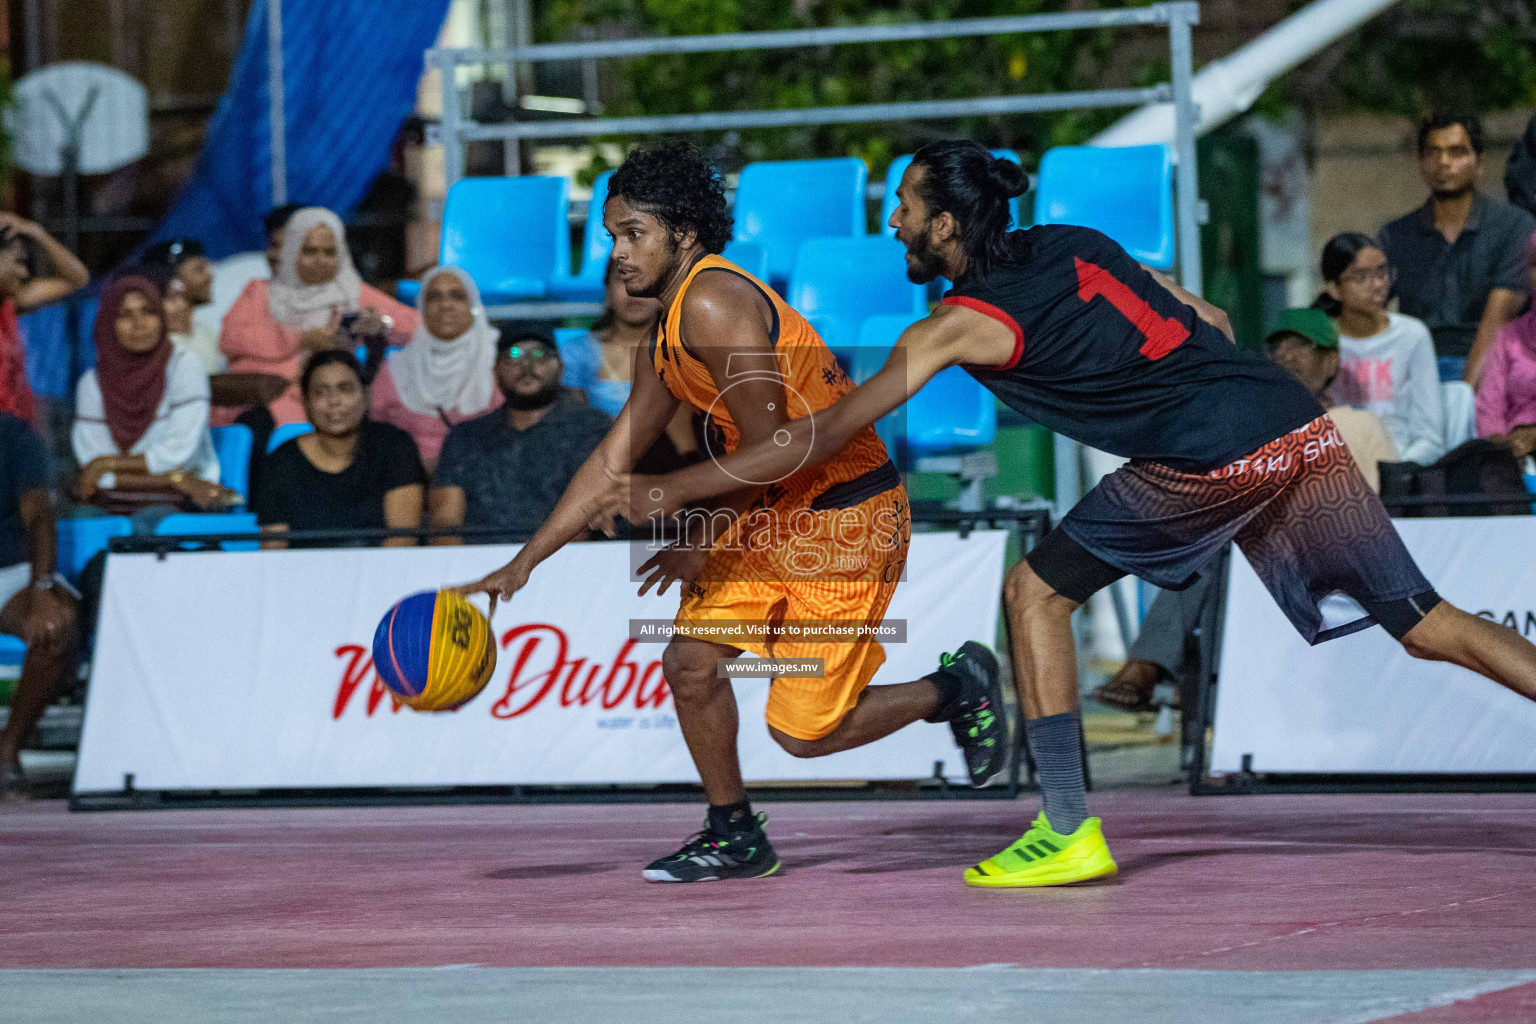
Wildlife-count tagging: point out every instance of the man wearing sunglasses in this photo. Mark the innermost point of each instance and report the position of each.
(507, 469)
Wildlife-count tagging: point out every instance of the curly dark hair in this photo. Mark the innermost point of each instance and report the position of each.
(679, 187)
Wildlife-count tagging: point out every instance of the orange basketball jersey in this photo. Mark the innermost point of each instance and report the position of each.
(810, 374)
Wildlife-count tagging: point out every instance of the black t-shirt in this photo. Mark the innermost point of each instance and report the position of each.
(1107, 356)
(296, 493)
(23, 468)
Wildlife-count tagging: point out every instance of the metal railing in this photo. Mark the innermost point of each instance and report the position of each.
(455, 130)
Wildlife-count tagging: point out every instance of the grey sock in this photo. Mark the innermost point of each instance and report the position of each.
(1056, 744)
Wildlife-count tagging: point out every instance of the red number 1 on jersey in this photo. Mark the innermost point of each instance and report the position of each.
(1163, 334)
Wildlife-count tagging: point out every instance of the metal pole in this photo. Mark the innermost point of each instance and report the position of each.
(276, 117)
(912, 110)
(1158, 14)
(1187, 206)
(450, 131)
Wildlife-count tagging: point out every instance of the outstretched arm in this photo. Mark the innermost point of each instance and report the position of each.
(640, 422)
(951, 335)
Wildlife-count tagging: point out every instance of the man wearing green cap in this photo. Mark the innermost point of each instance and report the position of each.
(1306, 343)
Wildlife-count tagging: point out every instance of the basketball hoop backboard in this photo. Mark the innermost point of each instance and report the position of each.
(108, 108)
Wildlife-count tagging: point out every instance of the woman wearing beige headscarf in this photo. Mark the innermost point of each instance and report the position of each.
(274, 325)
(447, 373)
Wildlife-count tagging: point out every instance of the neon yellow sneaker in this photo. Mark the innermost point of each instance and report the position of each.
(1043, 857)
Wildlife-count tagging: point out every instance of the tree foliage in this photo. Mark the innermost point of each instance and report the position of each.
(1479, 54)
(848, 74)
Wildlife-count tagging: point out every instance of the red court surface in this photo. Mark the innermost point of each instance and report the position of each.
(1257, 883)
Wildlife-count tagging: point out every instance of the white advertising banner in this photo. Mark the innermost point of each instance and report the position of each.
(1359, 704)
(242, 670)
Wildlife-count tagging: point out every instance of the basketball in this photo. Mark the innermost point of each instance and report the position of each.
(434, 651)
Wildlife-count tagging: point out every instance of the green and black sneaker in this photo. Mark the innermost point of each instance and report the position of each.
(710, 856)
(976, 717)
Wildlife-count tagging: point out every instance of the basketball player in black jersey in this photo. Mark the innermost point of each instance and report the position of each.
(1064, 326)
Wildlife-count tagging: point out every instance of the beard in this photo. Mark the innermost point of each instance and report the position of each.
(536, 400)
(929, 264)
(653, 288)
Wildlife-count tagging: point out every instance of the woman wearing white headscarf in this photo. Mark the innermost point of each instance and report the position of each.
(274, 325)
(446, 374)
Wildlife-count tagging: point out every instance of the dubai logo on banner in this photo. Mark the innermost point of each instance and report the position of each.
(544, 672)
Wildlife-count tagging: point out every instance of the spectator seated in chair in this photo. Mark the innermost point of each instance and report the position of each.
(1506, 401)
(1388, 359)
(1306, 343)
(141, 416)
(186, 281)
(1459, 257)
(507, 469)
(23, 246)
(349, 473)
(315, 301)
(34, 602)
(446, 374)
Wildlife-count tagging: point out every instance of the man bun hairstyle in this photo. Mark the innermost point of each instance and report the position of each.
(966, 181)
(679, 187)
(1007, 178)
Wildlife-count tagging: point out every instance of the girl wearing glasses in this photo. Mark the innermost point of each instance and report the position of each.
(1387, 359)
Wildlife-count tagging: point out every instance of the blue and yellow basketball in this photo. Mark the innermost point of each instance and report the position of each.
(434, 651)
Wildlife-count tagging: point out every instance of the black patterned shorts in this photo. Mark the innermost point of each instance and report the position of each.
(1299, 509)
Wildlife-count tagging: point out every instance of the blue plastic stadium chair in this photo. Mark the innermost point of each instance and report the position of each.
(285, 433)
(232, 444)
(195, 523)
(899, 167)
(80, 540)
(509, 234)
(586, 285)
(12, 650)
(1125, 192)
(845, 280)
(951, 413)
(749, 256)
(780, 204)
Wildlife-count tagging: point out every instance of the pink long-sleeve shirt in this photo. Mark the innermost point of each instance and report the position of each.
(1507, 397)
(254, 341)
(429, 430)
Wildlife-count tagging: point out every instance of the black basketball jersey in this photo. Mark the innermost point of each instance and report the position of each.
(1106, 355)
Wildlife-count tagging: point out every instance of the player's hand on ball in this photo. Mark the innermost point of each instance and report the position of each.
(679, 562)
(499, 585)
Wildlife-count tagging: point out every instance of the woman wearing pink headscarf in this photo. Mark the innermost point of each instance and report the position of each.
(274, 325)
(1506, 398)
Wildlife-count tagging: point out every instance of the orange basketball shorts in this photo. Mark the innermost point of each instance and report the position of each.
(827, 566)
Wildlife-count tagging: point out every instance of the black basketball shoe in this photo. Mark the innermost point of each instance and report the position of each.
(976, 717)
(710, 856)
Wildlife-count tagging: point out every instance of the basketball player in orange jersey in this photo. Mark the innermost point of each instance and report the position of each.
(823, 544)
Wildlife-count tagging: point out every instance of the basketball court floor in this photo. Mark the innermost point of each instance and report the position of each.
(1304, 909)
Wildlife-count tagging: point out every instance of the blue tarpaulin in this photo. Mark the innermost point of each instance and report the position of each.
(350, 70)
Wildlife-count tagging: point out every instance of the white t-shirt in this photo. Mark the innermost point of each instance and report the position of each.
(1393, 374)
(177, 439)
